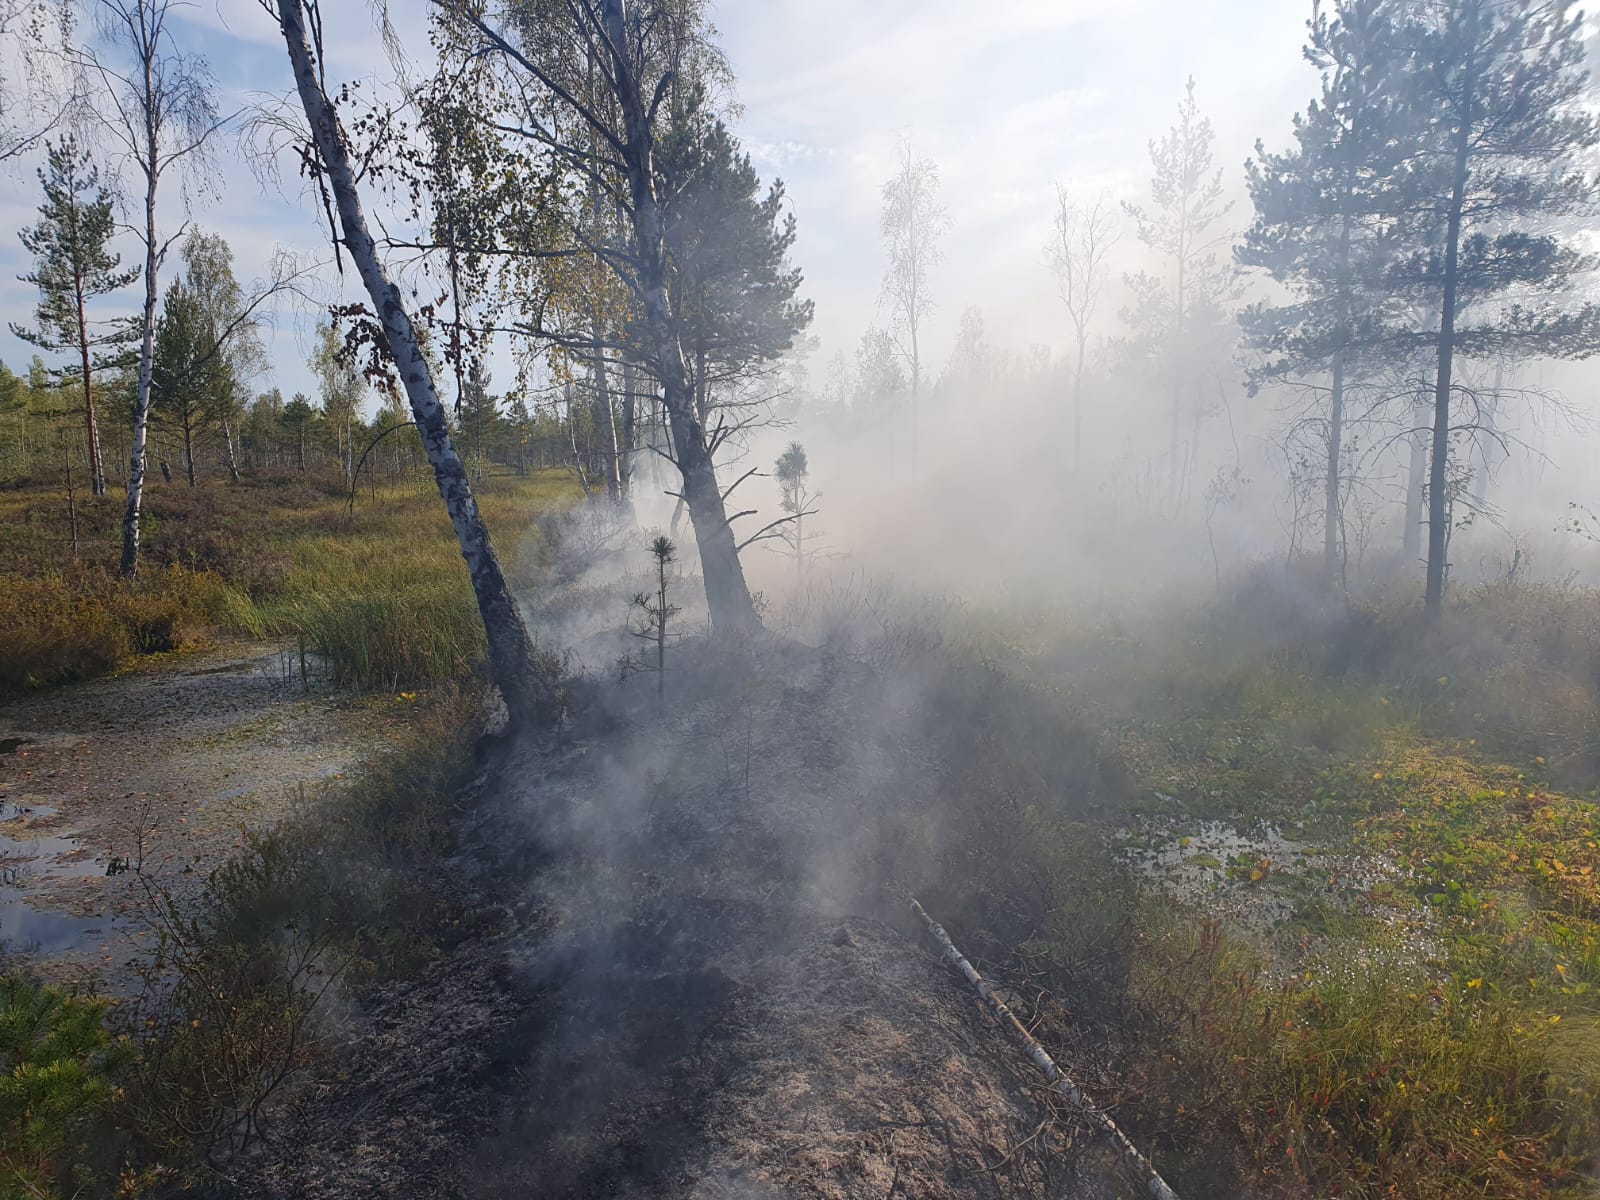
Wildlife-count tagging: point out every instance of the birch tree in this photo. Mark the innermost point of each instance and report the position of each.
(526, 693)
(35, 37)
(342, 388)
(912, 224)
(1084, 237)
(1178, 307)
(637, 53)
(158, 109)
(231, 328)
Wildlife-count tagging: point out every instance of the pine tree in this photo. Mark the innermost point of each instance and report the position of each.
(297, 418)
(1506, 96)
(478, 415)
(728, 246)
(74, 267)
(1325, 212)
(189, 379)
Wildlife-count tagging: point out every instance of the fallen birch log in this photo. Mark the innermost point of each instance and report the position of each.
(1062, 1082)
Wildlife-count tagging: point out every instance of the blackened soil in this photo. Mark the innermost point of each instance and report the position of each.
(698, 984)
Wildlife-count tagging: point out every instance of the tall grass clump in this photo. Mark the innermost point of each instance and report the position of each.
(1364, 1075)
(381, 620)
(56, 627)
(378, 588)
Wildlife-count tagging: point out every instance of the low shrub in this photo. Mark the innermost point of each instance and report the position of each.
(56, 627)
(344, 893)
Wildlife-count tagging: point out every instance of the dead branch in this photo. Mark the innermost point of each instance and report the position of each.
(1063, 1083)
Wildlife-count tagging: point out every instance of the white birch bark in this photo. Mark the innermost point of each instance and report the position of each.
(526, 694)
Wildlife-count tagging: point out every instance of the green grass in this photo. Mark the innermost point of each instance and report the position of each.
(378, 590)
(1431, 1032)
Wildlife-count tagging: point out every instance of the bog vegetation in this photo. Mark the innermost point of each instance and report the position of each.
(1261, 666)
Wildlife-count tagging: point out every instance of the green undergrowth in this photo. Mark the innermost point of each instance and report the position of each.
(377, 590)
(61, 1071)
(247, 982)
(1417, 1016)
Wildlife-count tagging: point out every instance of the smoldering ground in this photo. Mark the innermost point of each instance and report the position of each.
(702, 979)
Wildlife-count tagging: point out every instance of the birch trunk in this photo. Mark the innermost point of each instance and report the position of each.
(727, 594)
(231, 459)
(629, 421)
(606, 418)
(141, 404)
(510, 648)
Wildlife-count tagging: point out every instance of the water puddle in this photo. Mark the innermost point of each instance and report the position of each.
(1258, 876)
(10, 745)
(29, 860)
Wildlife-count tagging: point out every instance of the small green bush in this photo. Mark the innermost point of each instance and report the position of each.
(60, 1068)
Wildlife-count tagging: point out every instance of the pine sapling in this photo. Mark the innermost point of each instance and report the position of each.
(657, 613)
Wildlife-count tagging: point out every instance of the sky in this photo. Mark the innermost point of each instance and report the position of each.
(1007, 97)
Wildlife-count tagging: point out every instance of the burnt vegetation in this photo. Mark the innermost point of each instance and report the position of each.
(1221, 692)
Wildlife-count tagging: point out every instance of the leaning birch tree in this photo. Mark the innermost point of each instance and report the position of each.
(511, 659)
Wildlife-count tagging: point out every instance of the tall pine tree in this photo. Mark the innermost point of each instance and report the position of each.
(190, 380)
(1325, 214)
(1505, 90)
(74, 266)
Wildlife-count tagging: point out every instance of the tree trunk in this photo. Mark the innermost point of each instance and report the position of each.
(97, 470)
(230, 459)
(141, 403)
(629, 420)
(1179, 362)
(1488, 420)
(1330, 511)
(606, 420)
(187, 427)
(1077, 414)
(700, 383)
(1438, 506)
(1411, 538)
(916, 391)
(510, 649)
(727, 594)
